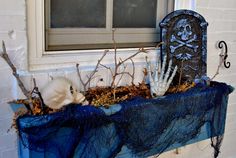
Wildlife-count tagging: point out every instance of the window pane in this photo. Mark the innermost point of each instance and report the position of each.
(78, 13)
(134, 13)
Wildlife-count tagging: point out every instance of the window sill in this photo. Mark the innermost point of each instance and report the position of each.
(86, 58)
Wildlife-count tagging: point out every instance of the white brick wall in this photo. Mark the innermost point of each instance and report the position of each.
(222, 26)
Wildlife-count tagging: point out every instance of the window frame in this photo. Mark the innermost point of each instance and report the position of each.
(40, 59)
(57, 37)
(185, 4)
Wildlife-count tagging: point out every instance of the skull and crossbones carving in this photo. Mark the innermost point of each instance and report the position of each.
(184, 33)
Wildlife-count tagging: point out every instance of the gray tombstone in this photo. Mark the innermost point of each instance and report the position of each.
(184, 37)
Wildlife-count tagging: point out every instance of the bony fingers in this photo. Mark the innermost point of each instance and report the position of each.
(172, 75)
(163, 68)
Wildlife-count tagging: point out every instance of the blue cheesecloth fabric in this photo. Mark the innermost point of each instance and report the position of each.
(135, 128)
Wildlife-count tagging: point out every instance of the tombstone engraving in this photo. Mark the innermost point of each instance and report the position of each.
(184, 37)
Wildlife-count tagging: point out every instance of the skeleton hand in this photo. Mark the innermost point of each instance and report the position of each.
(160, 82)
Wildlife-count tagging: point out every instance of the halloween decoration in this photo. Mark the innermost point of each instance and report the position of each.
(159, 80)
(60, 92)
(135, 128)
(106, 96)
(119, 68)
(86, 84)
(184, 35)
(127, 121)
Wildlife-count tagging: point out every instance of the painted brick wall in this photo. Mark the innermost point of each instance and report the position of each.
(221, 16)
(13, 31)
(222, 26)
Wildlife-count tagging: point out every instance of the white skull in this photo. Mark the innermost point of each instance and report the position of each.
(60, 92)
(184, 28)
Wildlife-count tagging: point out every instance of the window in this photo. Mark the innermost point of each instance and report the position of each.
(60, 34)
(88, 24)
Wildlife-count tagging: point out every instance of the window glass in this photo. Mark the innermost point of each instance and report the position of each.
(78, 13)
(134, 13)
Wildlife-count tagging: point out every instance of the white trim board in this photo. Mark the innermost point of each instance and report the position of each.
(40, 59)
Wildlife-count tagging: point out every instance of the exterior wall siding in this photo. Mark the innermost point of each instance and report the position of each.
(222, 26)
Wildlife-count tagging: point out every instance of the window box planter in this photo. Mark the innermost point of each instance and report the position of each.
(134, 128)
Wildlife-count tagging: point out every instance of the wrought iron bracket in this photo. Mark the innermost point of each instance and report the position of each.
(224, 55)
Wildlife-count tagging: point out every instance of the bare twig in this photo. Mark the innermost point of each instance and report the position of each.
(132, 75)
(80, 78)
(159, 44)
(181, 73)
(90, 77)
(132, 56)
(153, 48)
(121, 75)
(177, 151)
(126, 73)
(5, 56)
(145, 73)
(107, 68)
(121, 63)
(115, 72)
(115, 47)
(36, 91)
(27, 93)
(221, 61)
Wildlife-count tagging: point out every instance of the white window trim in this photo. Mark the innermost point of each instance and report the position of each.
(185, 4)
(69, 36)
(39, 59)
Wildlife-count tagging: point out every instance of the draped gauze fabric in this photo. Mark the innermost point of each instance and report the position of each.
(135, 128)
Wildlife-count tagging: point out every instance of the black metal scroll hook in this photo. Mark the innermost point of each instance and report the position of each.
(221, 45)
